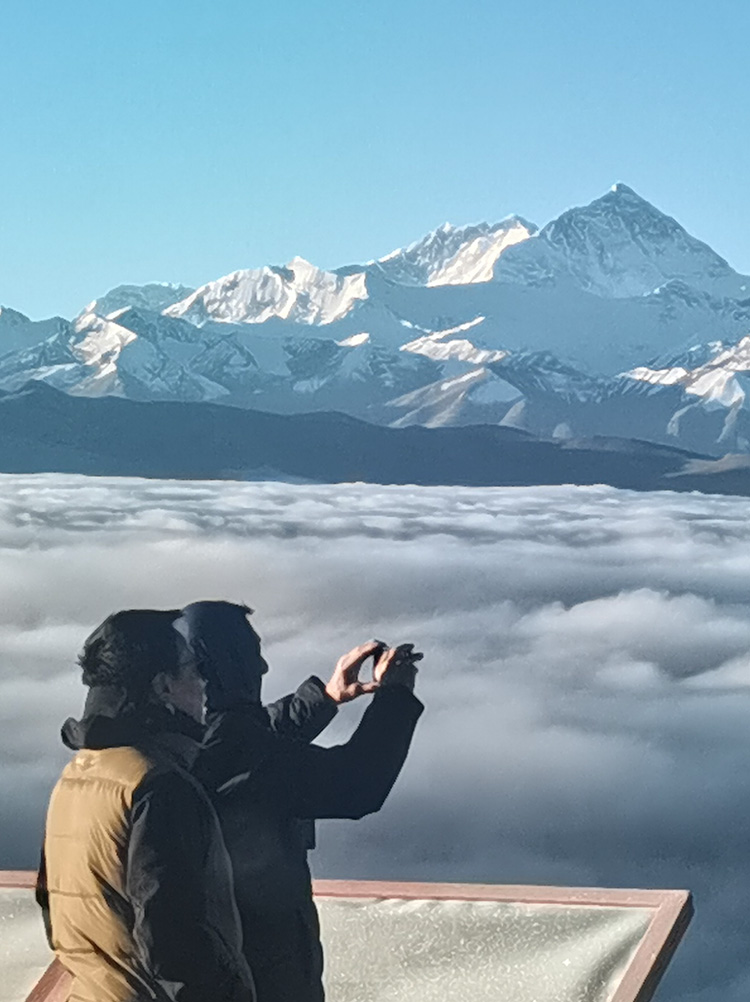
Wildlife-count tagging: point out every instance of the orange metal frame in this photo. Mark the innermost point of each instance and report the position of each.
(672, 913)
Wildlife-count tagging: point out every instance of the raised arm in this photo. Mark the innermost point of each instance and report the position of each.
(354, 779)
(307, 712)
(306, 781)
(304, 714)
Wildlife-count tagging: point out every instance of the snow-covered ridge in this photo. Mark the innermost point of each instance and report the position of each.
(299, 292)
(454, 255)
(354, 340)
(11, 318)
(446, 345)
(723, 380)
(155, 296)
(19, 334)
(476, 259)
(99, 344)
(150, 356)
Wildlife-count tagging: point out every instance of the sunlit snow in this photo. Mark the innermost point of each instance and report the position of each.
(717, 381)
(299, 292)
(475, 261)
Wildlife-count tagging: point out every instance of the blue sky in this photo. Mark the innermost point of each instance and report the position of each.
(177, 141)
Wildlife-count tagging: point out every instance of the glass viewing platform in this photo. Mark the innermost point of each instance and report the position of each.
(399, 942)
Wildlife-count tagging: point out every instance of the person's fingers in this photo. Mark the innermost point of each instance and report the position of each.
(385, 663)
(364, 651)
(387, 657)
(357, 656)
(363, 688)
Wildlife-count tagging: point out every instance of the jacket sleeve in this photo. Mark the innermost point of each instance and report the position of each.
(307, 781)
(354, 779)
(176, 860)
(303, 714)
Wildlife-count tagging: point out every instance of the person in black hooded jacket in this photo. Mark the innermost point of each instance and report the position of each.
(268, 788)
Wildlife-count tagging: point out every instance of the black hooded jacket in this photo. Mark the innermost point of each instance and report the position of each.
(269, 784)
(262, 783)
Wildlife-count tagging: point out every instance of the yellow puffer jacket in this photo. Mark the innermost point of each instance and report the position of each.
(135, 882)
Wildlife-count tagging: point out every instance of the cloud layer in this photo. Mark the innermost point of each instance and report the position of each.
(587, 669)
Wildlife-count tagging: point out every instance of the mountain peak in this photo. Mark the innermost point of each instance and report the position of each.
(155, 296)
(301, 262)
(618, 246)
(620, 203)
(298, 292)
(621, 198)
(618, 188)
(12, 318)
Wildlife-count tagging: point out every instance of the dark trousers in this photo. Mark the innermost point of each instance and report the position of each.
(285, 956)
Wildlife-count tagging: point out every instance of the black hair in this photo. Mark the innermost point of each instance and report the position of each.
(130, 648)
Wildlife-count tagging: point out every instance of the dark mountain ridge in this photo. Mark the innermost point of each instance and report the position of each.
(45, 430)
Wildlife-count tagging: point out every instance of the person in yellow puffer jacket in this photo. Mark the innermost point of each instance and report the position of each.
(135, 883)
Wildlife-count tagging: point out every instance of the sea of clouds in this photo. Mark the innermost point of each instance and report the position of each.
(586, 671)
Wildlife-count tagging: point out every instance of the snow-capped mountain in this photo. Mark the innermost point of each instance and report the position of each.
(150, 356)
(298, 292)
(610, 319)
(718, 379)
(18, 333)
(599, 335)
(129, 353)
(156, 296)
(10, 319)
(301, 293)
(715, 380)
(699, 401)
(454, 255)
(619, 246)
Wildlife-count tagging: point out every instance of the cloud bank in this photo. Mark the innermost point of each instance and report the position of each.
(587, 669)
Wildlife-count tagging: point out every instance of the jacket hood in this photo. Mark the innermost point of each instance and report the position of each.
(216, 631)
(110, 720)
